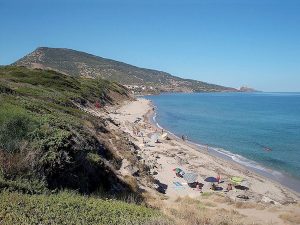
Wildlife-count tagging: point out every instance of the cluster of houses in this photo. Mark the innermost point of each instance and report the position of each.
(140, 89)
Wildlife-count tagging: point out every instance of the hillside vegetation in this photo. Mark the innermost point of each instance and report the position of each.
(70, 208)
(45, 140)
(77, 63)
(48, 144)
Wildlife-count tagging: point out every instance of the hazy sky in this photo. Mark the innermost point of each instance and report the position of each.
(228, 42)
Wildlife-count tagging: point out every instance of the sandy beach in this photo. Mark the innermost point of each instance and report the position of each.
(162, 158)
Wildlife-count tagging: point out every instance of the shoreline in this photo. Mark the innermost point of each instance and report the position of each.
(286, 180)
(266, 202)
(134, 118)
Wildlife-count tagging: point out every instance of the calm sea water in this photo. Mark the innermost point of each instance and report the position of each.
(242, 126)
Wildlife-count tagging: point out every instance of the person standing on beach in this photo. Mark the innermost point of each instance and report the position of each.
(218, 178)
(229, 187)
(198, 187)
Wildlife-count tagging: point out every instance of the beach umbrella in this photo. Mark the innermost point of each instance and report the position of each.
(154, 137)
(236, 180)
(190, 177)
(164, 135)
(211, 179)
(177, 170)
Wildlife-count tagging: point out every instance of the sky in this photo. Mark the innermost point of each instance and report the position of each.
(235, 43)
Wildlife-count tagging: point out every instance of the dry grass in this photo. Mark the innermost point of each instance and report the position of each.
(132, 182)
(210, 204)
(189, 214)
(13, 164)
(261, 206)
(207, 194)
(245, 205)
(291, 217)
(153, 200)
(199, 211)
(239, 205)
(190, 211)
(187, 200)
(274, 209)
(221, 199)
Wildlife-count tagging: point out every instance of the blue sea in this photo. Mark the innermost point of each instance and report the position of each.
(259, 130)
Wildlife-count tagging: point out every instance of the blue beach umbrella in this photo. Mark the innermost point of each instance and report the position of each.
(211, 179)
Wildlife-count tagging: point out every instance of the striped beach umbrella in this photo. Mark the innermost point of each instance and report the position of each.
(190, 177)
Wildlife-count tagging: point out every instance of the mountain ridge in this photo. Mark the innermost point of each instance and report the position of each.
(77, 63)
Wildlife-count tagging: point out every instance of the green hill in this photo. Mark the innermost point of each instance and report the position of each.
(77, 63)
(50, 145)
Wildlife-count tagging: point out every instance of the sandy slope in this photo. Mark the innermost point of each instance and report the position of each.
(169, 154)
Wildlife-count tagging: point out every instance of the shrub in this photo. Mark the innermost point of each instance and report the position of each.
(12, 165)
(15, 125)
(70, 208)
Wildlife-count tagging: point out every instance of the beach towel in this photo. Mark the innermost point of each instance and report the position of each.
(236, 180)
(177, 186)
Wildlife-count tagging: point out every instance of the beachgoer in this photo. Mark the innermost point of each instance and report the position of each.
(229, 187)
(213, 187)
(183, 138)
(198, 187)
(179, 172)
(218, 178)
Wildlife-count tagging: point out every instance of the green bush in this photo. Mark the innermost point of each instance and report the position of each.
(70, 208)
(15, 126)
(23, 186)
